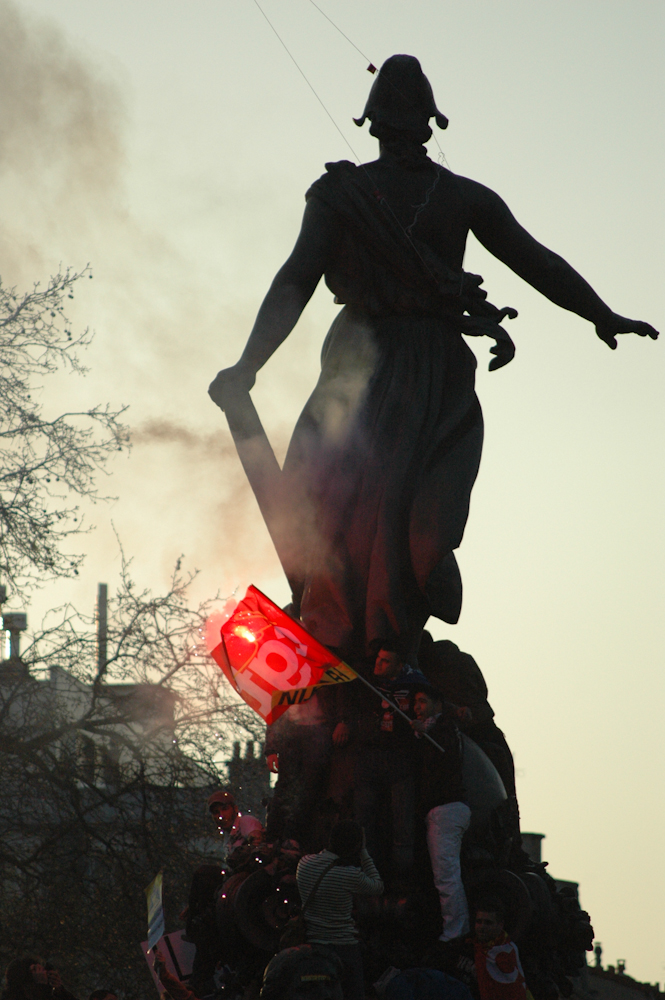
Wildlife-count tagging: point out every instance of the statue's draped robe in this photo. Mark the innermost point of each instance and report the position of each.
(385, 453)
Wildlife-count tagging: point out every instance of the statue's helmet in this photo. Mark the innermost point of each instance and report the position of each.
(401, 97)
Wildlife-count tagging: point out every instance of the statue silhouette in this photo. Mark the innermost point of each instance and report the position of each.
(374, 494)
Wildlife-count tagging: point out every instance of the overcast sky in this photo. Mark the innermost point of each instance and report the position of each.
(170, 143)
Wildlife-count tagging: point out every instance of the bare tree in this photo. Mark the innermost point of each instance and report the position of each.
(106, 752)
(107, 762)
(46, 464)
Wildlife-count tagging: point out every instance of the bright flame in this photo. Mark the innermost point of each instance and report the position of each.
(244, 633)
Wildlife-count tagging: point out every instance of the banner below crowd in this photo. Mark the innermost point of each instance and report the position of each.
(269, 658)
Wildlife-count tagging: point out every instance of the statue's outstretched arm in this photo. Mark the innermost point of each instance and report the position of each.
(291, 290)
(498, 230)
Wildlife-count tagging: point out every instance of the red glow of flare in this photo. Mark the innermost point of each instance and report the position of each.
(244, 633)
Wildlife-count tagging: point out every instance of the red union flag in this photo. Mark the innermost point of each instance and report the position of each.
(269, 658)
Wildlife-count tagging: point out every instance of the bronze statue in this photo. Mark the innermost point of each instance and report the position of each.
(374, 494)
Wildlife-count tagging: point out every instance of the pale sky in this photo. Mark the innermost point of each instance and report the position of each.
(170, 144)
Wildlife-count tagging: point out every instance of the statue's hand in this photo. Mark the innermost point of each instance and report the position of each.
(239, 377)
(609, 328)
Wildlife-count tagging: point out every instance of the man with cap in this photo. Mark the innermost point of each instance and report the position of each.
(458, 678)
(377, 479)
(236, 829)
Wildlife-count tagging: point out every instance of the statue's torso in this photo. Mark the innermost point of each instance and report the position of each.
(444, 221)
(395, 237)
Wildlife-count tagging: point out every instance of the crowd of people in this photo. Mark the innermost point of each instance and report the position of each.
(403, 766)
(398, 753)
(329, 965)
(400, 750)
(31, 978)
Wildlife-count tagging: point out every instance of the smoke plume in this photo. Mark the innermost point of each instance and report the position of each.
(163, 328)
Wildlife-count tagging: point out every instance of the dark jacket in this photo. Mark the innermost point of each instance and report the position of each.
(379, 725)
(440, 774)
(458, 678)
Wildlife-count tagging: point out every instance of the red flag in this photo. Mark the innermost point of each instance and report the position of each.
(269, 658)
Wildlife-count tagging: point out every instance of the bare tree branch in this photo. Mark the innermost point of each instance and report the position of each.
(45, 462)
(106, 774)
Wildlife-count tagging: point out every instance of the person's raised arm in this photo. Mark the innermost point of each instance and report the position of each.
(494, 225)
(291, 290)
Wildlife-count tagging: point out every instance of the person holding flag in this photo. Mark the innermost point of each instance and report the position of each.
(386, 763)
(274, 664)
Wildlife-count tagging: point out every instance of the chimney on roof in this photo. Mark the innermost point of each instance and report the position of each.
(531, 844)
(102, 611)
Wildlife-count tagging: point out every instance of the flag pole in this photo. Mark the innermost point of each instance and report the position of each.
(396, 708)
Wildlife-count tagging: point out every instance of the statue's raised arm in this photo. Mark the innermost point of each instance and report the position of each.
(494, 225)
(374, 494)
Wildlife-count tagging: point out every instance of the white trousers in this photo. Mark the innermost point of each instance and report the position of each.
(445, 828)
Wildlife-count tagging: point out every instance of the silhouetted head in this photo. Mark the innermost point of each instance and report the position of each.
(401, 99)
(22, 975)
(346, 839)
(305, 973)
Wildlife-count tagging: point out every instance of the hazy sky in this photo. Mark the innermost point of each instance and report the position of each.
(170, 144)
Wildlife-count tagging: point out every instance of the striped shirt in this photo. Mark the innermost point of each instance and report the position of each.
(328, 916)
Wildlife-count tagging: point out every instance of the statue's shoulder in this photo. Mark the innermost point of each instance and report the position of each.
(332, 178)
(475, 193)
(340, 166)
